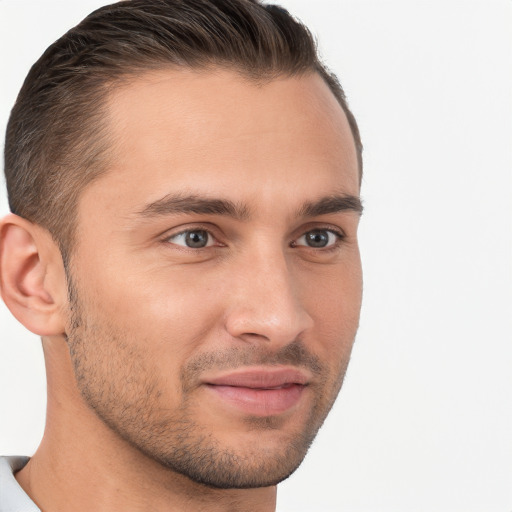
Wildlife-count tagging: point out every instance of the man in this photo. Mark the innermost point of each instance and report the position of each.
(184, 185)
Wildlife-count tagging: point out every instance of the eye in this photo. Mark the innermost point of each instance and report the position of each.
(319, 238)
(193, 238)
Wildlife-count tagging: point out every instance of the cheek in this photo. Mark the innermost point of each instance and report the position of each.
(335, 304)
(334, 296)
(165, 307)
(183, 305)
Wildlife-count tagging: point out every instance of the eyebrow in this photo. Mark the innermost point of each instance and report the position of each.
(331, 204)
(179, 203)
(173, 204)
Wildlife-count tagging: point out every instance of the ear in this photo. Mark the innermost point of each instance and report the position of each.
(32, 277)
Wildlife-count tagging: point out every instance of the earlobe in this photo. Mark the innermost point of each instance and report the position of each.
(31, 276)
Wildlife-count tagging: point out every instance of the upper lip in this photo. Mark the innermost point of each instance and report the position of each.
(260, 378)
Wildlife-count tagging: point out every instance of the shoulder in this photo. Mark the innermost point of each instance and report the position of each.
(12, 497)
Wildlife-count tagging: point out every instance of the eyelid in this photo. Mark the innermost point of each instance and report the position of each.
(212, 232)
(170, 234)
(174, 239)
(337, 232)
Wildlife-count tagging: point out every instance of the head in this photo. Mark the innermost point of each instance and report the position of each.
(57, 139)
(197, 169)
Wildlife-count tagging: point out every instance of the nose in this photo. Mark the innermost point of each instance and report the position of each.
(266, 304)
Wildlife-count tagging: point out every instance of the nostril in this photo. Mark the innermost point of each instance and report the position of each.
(254, 335)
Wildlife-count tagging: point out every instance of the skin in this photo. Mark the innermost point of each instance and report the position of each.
(141, 323)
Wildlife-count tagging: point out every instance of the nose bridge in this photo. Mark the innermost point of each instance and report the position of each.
(266, 303)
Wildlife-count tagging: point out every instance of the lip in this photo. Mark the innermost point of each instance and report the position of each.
(259, 391)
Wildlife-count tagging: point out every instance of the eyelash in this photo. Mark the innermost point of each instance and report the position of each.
(339, 235)
(193, 230)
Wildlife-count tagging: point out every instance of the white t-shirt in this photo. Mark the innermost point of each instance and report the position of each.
(12, 497)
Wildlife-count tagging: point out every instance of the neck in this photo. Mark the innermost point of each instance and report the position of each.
(82, 465)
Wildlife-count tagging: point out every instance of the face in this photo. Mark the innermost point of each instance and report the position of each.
(216, 284)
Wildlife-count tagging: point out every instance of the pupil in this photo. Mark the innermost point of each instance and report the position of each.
(317, 238)
(197, 239)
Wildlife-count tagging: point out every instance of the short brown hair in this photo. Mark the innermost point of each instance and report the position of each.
(56, 141)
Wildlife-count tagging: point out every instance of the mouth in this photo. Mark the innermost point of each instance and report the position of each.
(260, 391)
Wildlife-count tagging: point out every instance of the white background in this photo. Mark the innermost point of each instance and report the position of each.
(424, 422)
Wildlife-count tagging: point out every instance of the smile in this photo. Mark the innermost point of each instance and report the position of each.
(260, 392)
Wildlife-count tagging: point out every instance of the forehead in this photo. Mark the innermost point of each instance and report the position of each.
(215, 131)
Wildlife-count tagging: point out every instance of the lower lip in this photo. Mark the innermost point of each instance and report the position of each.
(260, 402)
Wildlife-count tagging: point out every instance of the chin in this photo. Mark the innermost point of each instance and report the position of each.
(264, 458)
(228, 471)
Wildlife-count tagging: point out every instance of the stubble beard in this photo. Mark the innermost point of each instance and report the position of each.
(116, 382)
